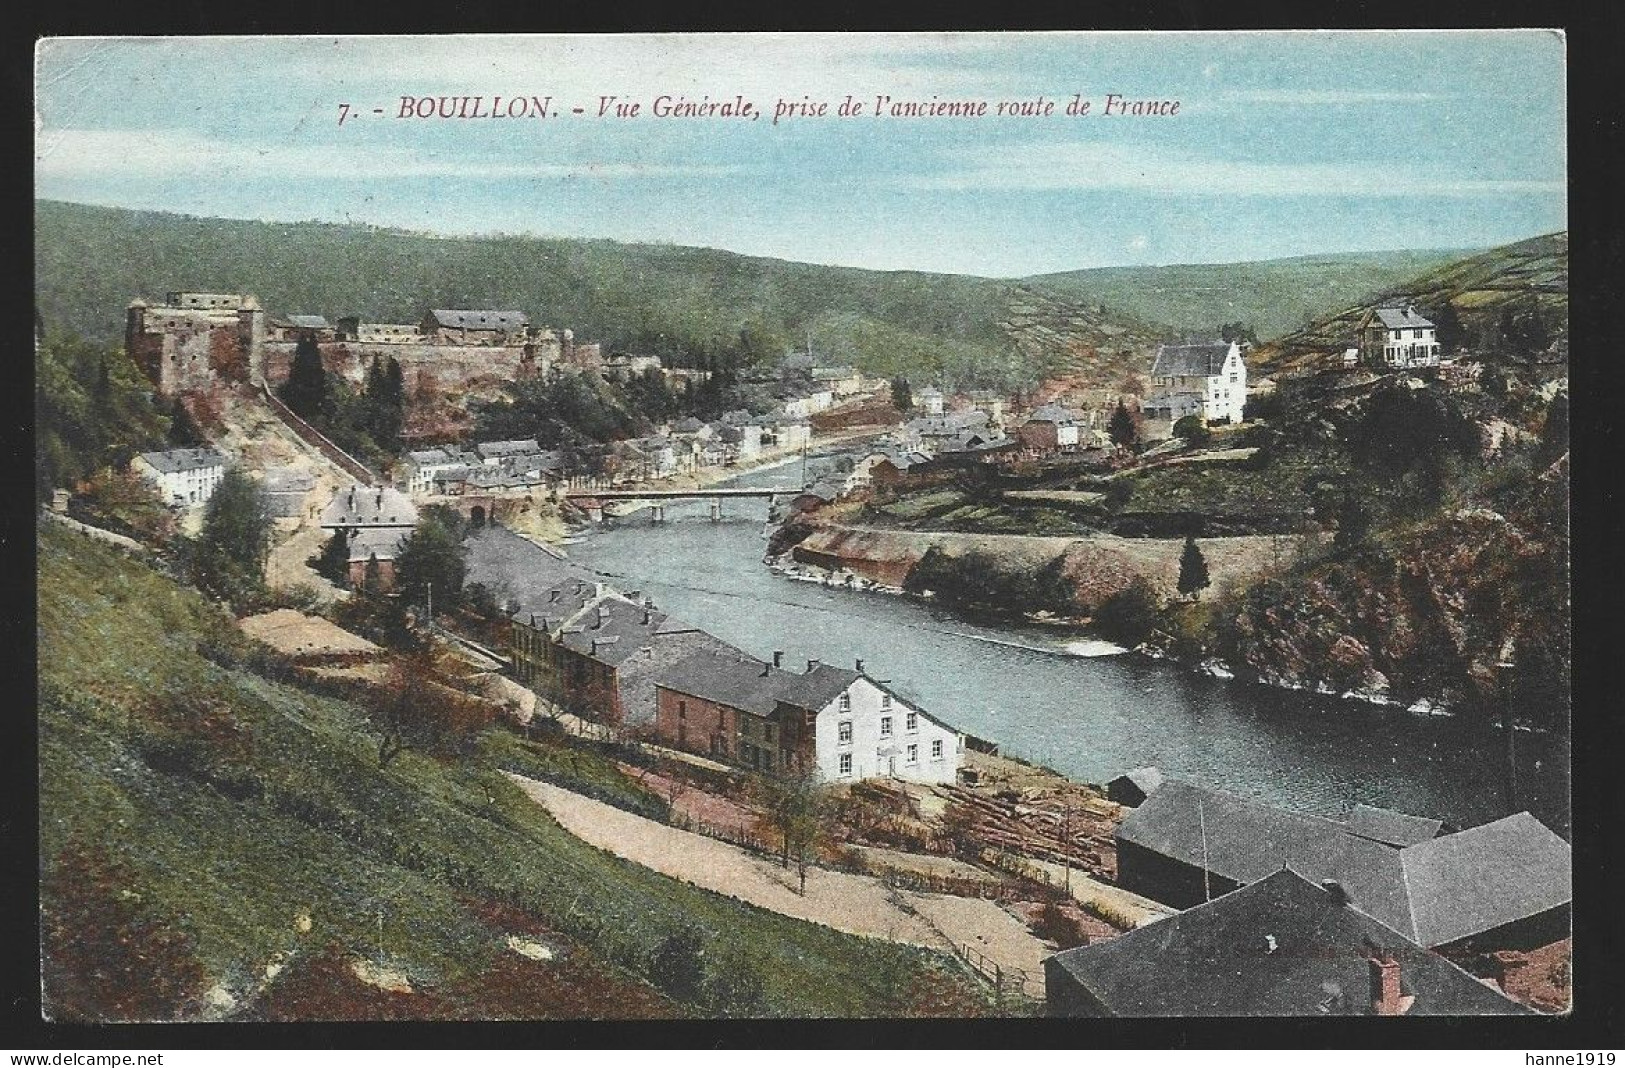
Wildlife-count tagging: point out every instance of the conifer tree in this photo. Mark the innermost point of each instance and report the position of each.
(1121, 427)
(1193, 577)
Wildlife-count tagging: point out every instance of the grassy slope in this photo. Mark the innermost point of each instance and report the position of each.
(334, 834)
(1274, 296)
(1479, 287)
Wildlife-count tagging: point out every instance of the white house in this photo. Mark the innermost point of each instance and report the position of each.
(425, 466)
(492, 453)
(865, 731)
(815, 400)
(1210, 376)
(1399, 338)
(184, 477)
(930, 399)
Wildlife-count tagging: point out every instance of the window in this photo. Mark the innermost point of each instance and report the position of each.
(885, 726)
(913, 754)
(885, 702)
(846, 702)
(767, 732)
(845, 764)
(936, 749)
(1232, 378)
(682, 709)
(912, 722)
(1416, 333)
(843, 733)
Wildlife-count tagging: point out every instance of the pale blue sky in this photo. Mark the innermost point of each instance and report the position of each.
(1285, 144)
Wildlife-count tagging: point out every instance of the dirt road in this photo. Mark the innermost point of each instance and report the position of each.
(856, 904)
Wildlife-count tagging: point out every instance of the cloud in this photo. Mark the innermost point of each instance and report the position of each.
(1096, 165)
(173, 153)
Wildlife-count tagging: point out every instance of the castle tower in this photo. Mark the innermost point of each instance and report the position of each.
(251, 333)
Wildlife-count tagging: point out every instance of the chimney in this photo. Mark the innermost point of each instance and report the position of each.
(533, 620)
(857, 665)
(811, 664)
(765, 670)
(594, 650)
(1386, 999)
(552, 595)
(778, 658)
(1335, 891)
(647, 615)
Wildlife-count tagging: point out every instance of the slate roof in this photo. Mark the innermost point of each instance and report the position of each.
(172, 461)
(690, 425)
(741, 681)
(1147, 779)
(671, 643)
(308, 322)
(1052, 413)
(458, 319)
(1279, 947)
(1198, 359)
(1401, 318)
(612, 630)
(385, 542)
(422, 457)
(1392, 828)
(361, 506)
(492, 449)
(1476, 880)
(1433, 892)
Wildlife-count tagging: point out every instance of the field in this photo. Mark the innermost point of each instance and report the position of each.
(243, 826)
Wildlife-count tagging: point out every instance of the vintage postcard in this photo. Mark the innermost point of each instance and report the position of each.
(770, 525)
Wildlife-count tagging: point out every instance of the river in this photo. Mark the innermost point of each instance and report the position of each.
(1089, 718)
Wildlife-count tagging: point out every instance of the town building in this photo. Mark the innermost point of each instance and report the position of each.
(840, 380)
(373, 552)
(464, 327)
(832, 723)
(424, 466)
(493, 453)
(1206, 378)
(286, 489)
(1503, 884)
(1281, 946)
(369, 508)
(192, 341)
(929, 400)
(1051, 428)
(1397, 338)
(294, 327)
(622, 367)
(183, 477)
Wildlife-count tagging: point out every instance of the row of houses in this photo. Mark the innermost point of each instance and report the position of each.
(617, 657)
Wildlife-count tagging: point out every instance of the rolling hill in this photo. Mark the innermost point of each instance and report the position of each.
(1480, 288)
(1271, 296)
(673, 301)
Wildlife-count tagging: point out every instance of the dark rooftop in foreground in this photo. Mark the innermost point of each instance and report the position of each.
(1281, 946)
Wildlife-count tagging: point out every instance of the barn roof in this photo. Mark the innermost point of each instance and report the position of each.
(1281, 946)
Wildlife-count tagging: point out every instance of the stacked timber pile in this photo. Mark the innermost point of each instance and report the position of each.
(1065, 826)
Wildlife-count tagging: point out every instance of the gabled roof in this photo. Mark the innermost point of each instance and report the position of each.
(1433, 892)
(172, 461)
(741, 681)
(1476, 880)
(1392, 828)
(611, 630)
(429, 456)
(689, 425)
(1052, 413)
(491, 449)
(376, 506)
(1401, 318)
(1198, 359)
(1147, 779)
(459, 319)
(382, 542)
(1281, 946)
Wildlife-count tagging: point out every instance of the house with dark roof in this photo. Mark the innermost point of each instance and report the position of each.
(1208, 378)
(361, 507)
(1398, 337)
(1132, 787)
(1050, 428)
(1281, 946)
(184, 478)
(838, 724)
(1503, 884)
(461, 326)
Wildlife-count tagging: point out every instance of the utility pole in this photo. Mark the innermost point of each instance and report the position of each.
(1201, 819)
(1503, 677)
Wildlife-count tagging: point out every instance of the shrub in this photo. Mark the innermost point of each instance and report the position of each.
(1129, 615)
(1193, 428)
(677, 966)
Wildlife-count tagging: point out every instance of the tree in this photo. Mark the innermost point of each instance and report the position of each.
(1193, 577)
(795, 807)
(415, 709)
(1121, 427)
(235, 540)
(183, 429)
(902, 395)
(372, 577)
(431, 562)
(333, 562)
(1130, 614)
(306, 391)
(1193, 428)
(1449, 330)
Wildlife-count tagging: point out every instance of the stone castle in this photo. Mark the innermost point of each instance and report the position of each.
(195, 342)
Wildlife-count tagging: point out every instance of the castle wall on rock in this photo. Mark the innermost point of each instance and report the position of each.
(450, 368)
